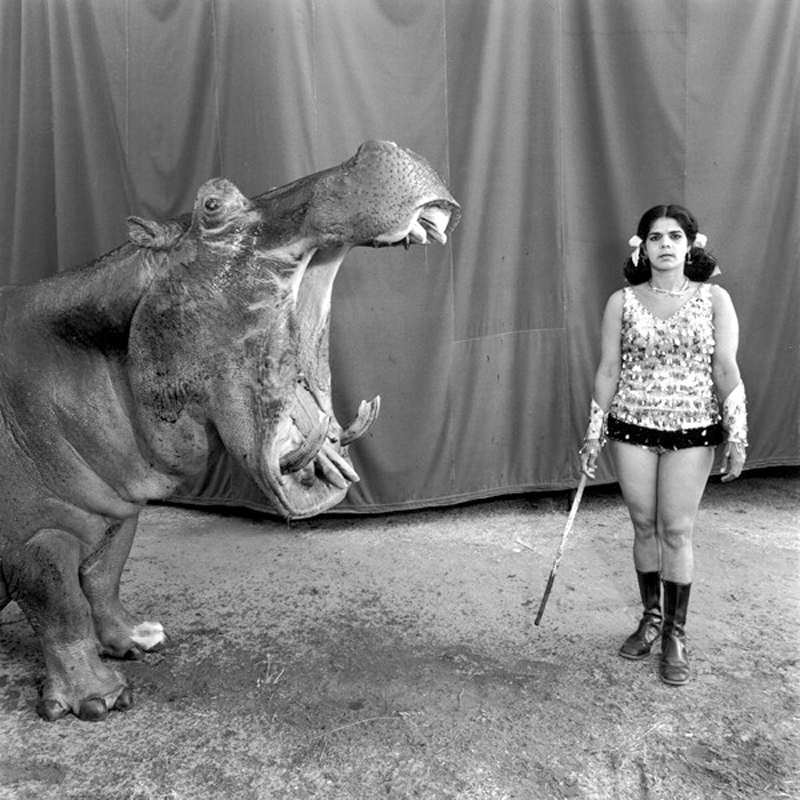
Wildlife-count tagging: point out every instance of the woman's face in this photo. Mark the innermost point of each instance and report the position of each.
(666, 244)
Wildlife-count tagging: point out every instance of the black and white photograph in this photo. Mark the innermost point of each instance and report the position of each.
(399, 399)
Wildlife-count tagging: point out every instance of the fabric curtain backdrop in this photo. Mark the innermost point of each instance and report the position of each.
(556, 123)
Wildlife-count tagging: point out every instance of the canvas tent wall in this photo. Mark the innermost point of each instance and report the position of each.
(556, 122)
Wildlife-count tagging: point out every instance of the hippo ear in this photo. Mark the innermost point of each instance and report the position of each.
(153, 235)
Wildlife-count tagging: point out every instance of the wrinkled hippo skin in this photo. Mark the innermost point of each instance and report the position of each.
(120, 379)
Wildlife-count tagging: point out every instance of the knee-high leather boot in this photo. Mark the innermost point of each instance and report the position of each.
(674, 659)
(638, 644)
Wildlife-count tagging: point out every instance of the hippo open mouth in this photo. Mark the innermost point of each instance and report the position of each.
(281, 251)
(307, 463)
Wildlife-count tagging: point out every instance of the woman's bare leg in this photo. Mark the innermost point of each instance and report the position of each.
(682, 479)
(638, 475)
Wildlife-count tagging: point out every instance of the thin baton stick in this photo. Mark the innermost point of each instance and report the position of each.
(560, 552)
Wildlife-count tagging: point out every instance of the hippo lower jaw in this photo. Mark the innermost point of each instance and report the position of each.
(305, 467)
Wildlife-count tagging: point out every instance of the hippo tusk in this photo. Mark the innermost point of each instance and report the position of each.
(335, 469)
(367, 413)
(307, 451)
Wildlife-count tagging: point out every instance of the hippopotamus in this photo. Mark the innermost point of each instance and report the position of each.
(122, 378)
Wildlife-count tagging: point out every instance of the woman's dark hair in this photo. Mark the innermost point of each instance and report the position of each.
(699, 264)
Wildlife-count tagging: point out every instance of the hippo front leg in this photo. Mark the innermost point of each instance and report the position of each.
(43, 575)
(121, 635)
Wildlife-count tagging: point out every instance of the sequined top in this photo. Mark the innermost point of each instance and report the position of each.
(665, 381)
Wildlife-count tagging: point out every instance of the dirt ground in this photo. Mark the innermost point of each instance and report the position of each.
(397, 657)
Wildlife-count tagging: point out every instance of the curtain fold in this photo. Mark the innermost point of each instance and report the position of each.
(556, 124)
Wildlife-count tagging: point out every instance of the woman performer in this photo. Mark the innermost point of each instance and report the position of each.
(667, 391)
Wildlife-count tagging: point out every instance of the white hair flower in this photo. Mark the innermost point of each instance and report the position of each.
(635, 242)
(700, 240)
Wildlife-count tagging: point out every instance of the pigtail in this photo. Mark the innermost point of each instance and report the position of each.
(700, 265)
(636, 273)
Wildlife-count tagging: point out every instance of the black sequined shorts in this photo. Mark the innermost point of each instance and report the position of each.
(663, 441)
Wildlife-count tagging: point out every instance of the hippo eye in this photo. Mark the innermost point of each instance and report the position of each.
(212, 204)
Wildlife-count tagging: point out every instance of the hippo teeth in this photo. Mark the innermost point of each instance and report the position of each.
(435, 220)
(417, 234)
(307, 450)
(427, 222)
(367, 413)
(324, 461)
(319, 450)
(335, 468)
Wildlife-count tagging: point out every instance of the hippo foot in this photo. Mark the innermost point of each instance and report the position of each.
(79, 683)
(92, 709)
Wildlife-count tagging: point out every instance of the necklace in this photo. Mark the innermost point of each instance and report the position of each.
(679, 293)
